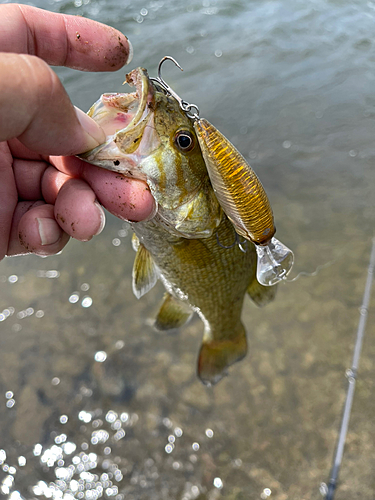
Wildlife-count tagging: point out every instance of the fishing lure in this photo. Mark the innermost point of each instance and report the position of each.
(239, 192)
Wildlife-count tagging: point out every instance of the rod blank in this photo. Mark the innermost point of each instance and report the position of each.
(351, 374)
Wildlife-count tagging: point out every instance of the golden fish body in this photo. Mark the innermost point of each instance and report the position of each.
(188, 244)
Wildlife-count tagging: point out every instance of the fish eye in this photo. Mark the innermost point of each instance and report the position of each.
(184, 140)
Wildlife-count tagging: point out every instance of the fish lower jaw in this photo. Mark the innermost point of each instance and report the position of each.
(110, 158)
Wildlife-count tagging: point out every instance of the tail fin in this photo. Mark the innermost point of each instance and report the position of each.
(217, 355)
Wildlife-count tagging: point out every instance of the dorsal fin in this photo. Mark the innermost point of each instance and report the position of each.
(144, 274)
(173, 313)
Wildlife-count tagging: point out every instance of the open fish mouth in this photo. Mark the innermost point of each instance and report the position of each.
(127, 120)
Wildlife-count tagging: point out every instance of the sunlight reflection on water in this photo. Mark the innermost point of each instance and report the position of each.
(94, 402)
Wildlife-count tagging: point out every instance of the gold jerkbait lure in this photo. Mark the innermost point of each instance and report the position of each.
(239, 192)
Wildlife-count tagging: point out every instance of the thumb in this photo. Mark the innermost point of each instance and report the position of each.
(36, 109)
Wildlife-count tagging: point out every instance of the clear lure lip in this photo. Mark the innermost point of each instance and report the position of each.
(275, 261)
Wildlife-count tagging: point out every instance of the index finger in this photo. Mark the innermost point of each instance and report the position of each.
(62, 40)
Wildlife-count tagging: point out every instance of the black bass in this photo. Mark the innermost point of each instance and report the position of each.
(188, 244)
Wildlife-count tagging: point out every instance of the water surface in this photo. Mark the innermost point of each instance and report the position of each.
(93, 402)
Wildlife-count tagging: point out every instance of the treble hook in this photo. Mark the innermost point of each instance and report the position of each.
(242, 245)
(184, 105)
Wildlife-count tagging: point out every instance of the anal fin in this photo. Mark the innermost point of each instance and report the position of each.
(173, 313)
(145, 274)
(261, 295)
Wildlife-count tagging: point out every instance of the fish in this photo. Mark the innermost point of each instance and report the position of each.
(188, 243)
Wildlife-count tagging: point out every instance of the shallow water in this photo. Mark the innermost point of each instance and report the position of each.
(93, 402)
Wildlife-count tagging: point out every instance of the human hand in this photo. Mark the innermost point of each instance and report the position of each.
(45, 199)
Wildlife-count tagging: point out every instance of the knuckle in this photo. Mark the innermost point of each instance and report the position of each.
(39, 79)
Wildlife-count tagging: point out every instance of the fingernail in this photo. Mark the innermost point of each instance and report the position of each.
(49, 231)
(102, 218)
(131, 51)
(153, 213)
(94, 134)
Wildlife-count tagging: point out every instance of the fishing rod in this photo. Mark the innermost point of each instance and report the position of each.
(328, 490)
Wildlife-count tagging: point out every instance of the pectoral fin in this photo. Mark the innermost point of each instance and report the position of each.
(217, 355)
(172, 314)
(260, 294)
(144, 274)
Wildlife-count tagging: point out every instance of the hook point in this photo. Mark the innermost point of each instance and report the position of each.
(170, 58)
